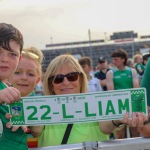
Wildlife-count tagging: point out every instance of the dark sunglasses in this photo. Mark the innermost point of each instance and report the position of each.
(72, 76)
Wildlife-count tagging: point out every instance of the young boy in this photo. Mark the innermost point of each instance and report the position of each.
(93, 83)
(11, 44)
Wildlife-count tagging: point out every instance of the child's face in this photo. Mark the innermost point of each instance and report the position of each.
(25, 77)
(9, 60)
(139, 60)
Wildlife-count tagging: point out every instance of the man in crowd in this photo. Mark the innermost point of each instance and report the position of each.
(122, 77)
(101, 74)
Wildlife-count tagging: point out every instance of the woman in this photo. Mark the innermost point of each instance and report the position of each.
(64, 75)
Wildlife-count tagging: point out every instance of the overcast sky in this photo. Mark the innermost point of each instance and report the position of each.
(55, 21)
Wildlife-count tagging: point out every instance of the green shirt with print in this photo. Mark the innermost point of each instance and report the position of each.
(122, 78)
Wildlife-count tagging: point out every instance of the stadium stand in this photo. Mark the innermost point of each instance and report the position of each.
(96, 48)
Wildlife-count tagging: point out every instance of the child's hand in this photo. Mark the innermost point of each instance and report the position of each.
(14, 128)
(9, 95)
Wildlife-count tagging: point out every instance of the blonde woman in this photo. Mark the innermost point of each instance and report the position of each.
(64, 75)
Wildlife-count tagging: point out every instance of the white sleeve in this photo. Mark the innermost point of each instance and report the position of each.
(98, 86)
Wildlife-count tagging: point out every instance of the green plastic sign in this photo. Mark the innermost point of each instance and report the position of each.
(73, 108)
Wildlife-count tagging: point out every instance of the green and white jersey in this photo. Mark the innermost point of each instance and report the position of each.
(123, 79)
(10, 140)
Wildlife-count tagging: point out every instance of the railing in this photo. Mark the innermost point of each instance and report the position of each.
(122, 144)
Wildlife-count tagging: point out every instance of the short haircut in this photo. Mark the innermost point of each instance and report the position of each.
(85, 61)
(120, 53)
(8, 33)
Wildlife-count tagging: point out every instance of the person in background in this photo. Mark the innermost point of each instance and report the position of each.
(122, 77)
(104, 67)
(96, 69)
(26, 77)
(130, 63)
(145, 130)
(39, 89)
(101, 74)
(145, 59)
(11, 44)
(137, 59)
(64, 75)
(93, 83)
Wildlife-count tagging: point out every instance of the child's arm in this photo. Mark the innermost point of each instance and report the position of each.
(9, 95)
(36, 130)
(139, 69)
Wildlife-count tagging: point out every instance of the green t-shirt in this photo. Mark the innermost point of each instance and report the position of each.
(82, 132)
(10, 140)
(146, 81)
(139, 66)
(122, 78)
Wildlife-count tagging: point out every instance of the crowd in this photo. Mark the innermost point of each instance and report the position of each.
(21, 75)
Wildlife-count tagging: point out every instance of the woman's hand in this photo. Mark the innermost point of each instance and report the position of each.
(137, 119)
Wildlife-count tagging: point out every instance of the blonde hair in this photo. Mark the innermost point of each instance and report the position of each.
(55, 66)
(36, 55)
(135, 58)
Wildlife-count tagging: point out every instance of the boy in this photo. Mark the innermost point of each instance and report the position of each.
(93, 83)
(11, 44)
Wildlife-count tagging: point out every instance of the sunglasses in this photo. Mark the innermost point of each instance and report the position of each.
(72, 76)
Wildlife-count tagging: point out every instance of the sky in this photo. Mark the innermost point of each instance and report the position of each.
(59, 21)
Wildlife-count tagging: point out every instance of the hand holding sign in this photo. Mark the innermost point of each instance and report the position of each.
(90, 107)
(14, 128)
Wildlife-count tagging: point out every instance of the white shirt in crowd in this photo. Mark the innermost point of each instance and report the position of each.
(94, 85)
